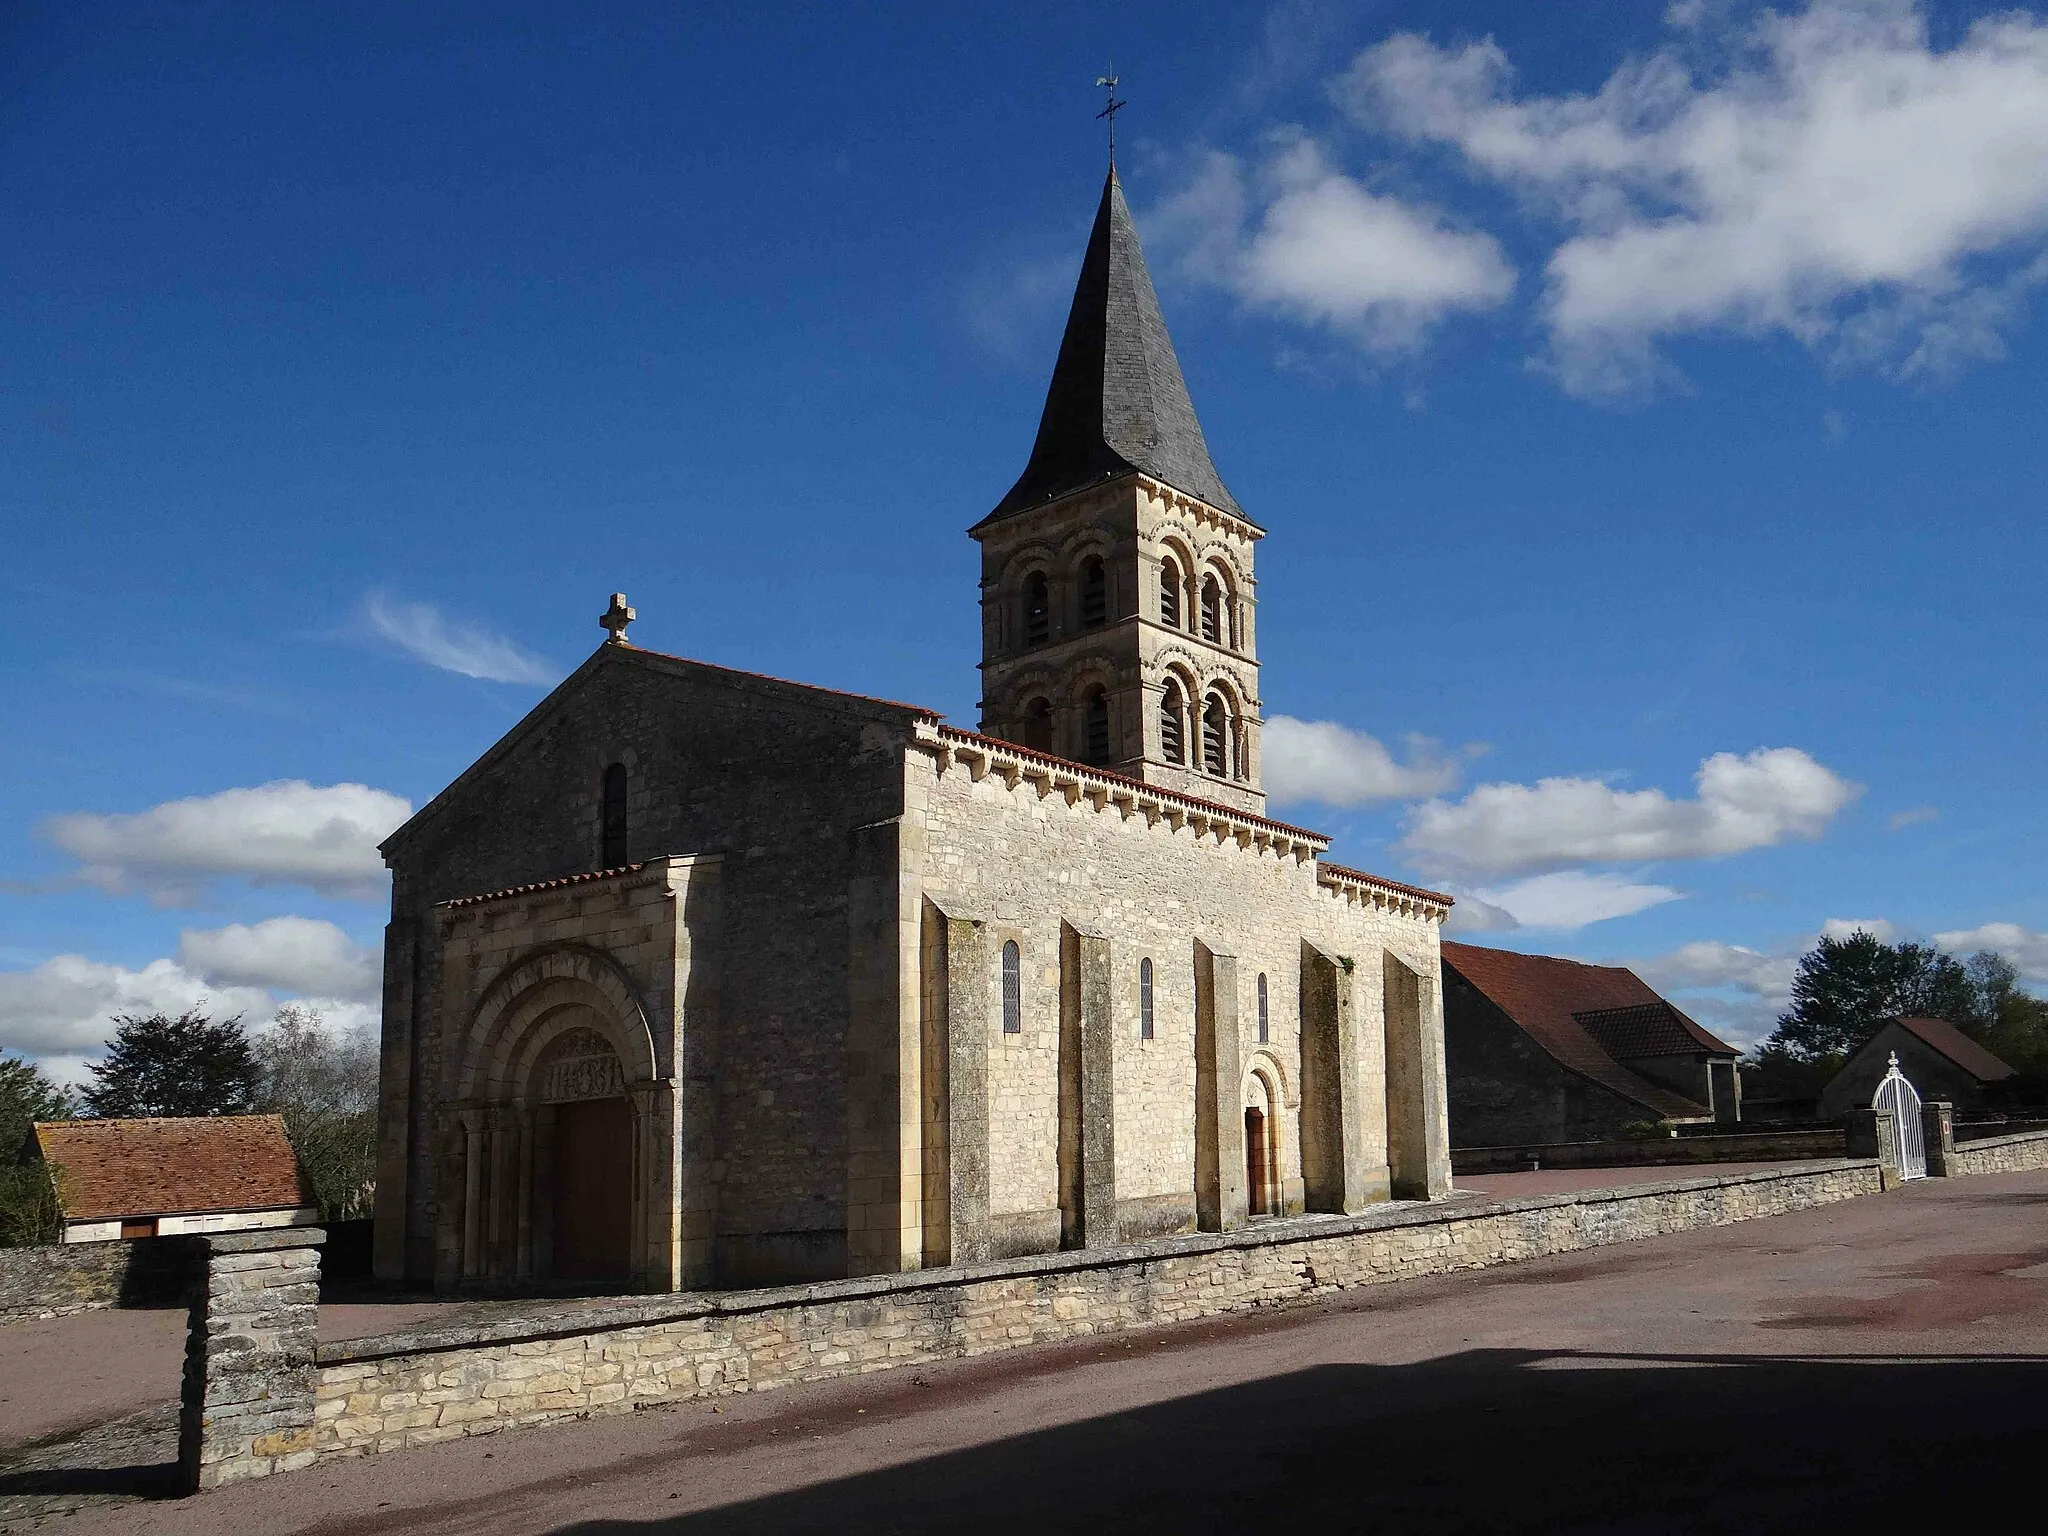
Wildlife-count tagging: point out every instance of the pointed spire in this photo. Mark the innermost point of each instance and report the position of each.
(1117, 402)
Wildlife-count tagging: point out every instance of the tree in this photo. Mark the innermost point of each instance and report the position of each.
(2013, 1022)
(190, 1065)
(26, 1096)
(324, 1083)
(29, 1212)
(1847, 988)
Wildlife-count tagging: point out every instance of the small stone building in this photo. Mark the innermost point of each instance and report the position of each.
(159, 1178)
(1939, 1060)
(703, 978)
(1542, 1049)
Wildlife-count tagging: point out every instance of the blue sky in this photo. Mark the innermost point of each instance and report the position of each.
(1643, 401)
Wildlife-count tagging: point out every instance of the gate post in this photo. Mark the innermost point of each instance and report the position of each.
(1874, 1133)
(1938, 1126)
(250, 1378)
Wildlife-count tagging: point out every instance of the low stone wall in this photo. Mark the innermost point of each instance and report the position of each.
(63, 1278)
(1654, 1151)
(383, 1394)
(2000, 1154)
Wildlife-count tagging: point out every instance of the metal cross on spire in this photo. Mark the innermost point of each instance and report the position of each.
(1108, 84)
(616, 618)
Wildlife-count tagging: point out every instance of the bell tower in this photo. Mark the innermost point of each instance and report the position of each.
(1117, 598)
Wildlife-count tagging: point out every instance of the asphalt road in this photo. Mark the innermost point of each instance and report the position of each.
(1877, 1361)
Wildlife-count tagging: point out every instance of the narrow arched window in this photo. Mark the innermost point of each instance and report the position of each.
(1037, 731)
(1037, 610)
(1172, 729)
(1094, 594)
(1095, 729)
(1169, 593)
(1264, 1026)
(613, 818)
(1216, 736)
(1013, 989)
(1212, 609)
(1144, 999)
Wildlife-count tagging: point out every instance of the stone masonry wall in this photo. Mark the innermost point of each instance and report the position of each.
(2000, 1154)
(385, 1394)
(62, 1278)
(1026, 861)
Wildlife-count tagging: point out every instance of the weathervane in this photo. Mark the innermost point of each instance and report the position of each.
(1108, 84)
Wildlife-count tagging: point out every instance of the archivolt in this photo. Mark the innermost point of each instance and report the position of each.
(547, 991)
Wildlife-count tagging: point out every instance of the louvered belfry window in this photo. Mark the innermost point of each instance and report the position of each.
(1094, 594)
(613, 818)
(1172, 738)
(1096, 745)
(1013, 989)
(1169, 594)
(1037, 610)
(1212, 610)
(1216, 736)
(1037, 732)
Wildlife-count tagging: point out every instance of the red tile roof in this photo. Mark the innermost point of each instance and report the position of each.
(110, 1168)
(1942, 1036)
(1542, 992)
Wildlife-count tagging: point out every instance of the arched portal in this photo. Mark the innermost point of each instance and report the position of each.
(561, 1140)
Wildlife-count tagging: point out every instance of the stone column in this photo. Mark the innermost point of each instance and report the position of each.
(956, 981)
(1220, 1196)
(1938, 1129)
(1087, 1092)
(250, 1378)
(1418, 1135)
(1336, 1170)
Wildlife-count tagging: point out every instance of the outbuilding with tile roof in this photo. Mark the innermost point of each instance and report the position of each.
(163, 1177)
(1544, 1049)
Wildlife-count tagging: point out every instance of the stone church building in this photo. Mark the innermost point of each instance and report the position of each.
(701, 978)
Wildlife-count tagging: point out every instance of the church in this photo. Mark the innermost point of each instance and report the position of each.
(699, 978)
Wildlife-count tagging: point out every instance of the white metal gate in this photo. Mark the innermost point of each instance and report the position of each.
(1897, 1096)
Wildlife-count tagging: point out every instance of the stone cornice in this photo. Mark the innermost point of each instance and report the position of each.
(1199, 511)
(1106, 791)
(1360, 889)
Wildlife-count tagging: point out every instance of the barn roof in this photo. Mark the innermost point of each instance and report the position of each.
(1943, 1037)
(1589, 1018)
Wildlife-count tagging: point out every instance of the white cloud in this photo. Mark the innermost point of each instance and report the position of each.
(1770, 796)
(1572, 898)
(299, 955)
(1833, 177)
(287, 832)
(423, 632)
(1900, 820)
(1323, 761)
(61, 1012)
(2026, 948)
(1298, 236)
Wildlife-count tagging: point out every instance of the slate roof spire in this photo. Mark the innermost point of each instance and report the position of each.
(1117, 402)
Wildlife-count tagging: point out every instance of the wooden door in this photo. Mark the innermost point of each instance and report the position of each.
(593, 1190)
(1255, 1161)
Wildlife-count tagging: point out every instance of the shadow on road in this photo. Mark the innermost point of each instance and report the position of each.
(1488, 1440)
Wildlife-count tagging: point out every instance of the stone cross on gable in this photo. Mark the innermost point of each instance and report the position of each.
(616, 618)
